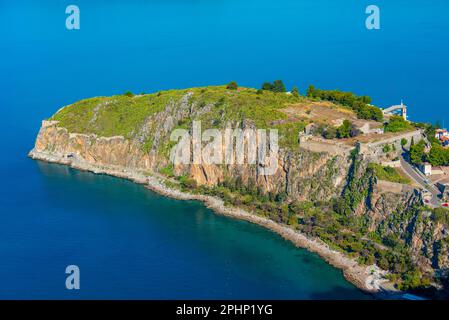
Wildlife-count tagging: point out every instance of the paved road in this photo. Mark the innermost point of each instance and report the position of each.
(418, 178)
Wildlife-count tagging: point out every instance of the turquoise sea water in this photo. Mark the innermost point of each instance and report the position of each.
(129, 242)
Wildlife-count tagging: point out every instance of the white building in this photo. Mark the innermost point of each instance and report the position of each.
(426, 168)
(441, 133)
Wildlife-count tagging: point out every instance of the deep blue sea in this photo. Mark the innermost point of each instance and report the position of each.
(129, 242)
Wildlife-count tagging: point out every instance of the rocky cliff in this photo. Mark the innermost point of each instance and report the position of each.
(334, 197)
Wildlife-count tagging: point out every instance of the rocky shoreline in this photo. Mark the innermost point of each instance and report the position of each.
(370, 279)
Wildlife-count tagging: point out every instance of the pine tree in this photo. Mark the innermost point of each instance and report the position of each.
(295, 91)
(267, 86)
(232, 85)
(278, 86)
(311, 91)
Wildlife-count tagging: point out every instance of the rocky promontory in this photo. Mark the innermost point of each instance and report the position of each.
(333, 201)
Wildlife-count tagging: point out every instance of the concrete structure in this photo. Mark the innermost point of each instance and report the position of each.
(401, 109)
(316, 144)
(436, 171)
(308, 129)
(393, 164)
(376, 148)
(366, 128)
(426, 168)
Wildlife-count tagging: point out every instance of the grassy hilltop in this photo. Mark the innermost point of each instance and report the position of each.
(124, 114)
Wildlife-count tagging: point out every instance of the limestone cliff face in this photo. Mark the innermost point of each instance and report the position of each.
(302, 175)
(100, 151)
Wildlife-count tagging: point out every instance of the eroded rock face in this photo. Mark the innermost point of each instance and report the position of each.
(303, 175)
(115, 151)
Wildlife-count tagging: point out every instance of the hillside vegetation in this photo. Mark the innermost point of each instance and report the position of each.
(124, 115)
(388, 174)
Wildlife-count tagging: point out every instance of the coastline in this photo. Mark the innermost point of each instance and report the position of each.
(370, 279)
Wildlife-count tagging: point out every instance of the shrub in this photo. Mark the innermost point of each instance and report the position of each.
(345, 130)
(187, 182)
(330, 133)
(404, 142)
(417, 154)
(168, 170)
(295, 91)
(397, 124)
(311, 91)
(232, 85)
(438, 156)
(129, 94)
(441, 215)
(267, 86)
(276, 86)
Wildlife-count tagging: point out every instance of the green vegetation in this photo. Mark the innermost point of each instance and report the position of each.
(441, 215)
(232, 85)
(124, 115)
(276, 86)
(329, 132)
(347, 130)
(417, 154)
(438, 156)
(404, 142)
(398, 124)
(398, 259)
(168, 170)
(430, 131)
(267, 86)
(112, 116)
(357, 188)
(288, 134)
(295, 91)
(186, 183)
(344, 131)
(388, 174)
(361, 105)
(386, 148)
